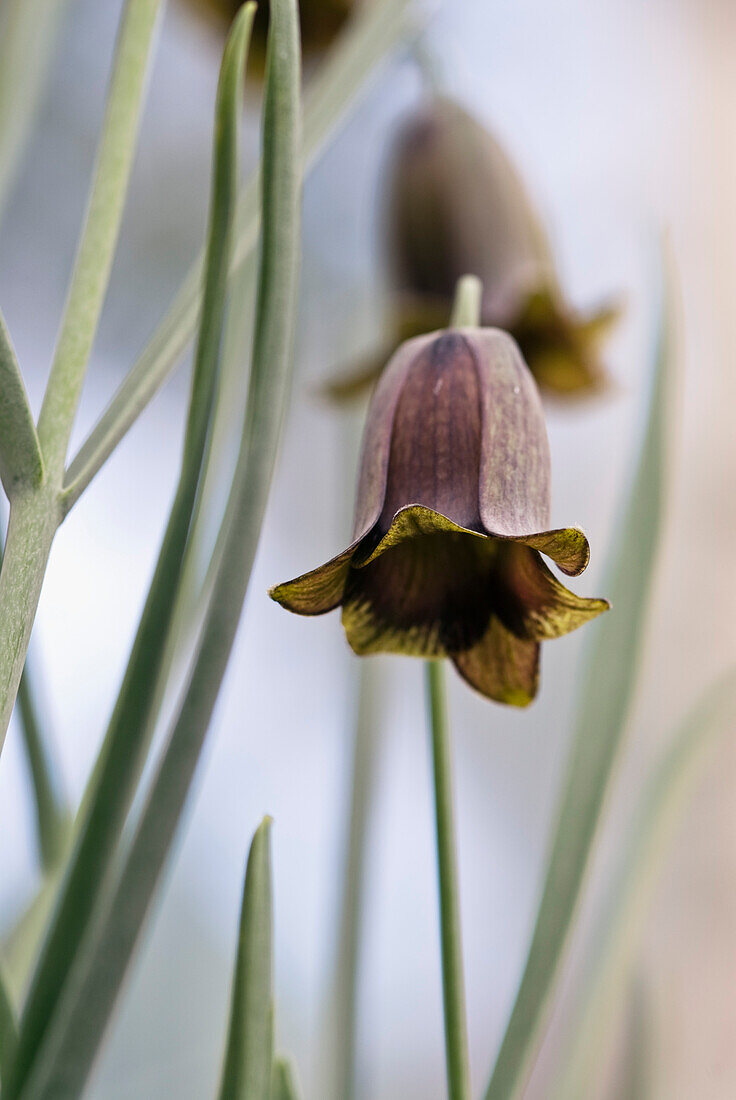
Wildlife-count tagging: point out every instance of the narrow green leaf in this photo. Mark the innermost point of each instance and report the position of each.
(53, 819)
(35, 517)
(99, 237)
(377, 29)
(52, 816)
(102, 958)
(129, 733)
(609, 681)
(612, 953)
(246, 1072)
(28, 33)
(8, 1029)
(21, 463)
(283, 1083)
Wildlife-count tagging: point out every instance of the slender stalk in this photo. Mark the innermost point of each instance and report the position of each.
(465, 314)
(34, 516)
(351, 923)
(453, 986)
(100, 234)
(466, 307)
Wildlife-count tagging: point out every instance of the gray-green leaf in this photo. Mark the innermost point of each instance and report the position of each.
(613, 662)
(246, 1073)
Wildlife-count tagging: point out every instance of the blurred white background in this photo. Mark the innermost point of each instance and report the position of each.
(620, 116)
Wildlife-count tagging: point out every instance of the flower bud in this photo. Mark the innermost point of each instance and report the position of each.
(452, 519)
(457, 205)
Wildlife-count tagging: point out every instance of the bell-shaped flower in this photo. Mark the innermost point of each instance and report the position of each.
(452, 520)
(457, 204)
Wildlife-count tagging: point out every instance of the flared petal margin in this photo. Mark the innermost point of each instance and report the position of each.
(319, 591)
(431, 588)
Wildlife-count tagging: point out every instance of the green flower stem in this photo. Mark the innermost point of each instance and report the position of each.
(465, 314)
(453, 987)
(380, 28)
(466, 307)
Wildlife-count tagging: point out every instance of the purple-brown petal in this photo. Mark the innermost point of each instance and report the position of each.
(435, 450)
(376, 446)
(515, 461)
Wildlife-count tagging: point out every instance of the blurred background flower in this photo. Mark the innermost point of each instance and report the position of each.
(320, 22)
(619, 118)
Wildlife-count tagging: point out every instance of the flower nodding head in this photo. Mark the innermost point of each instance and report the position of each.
(457, 204)
(452, 519)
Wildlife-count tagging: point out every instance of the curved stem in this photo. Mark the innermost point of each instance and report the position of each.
(466, 307)
(453, 986)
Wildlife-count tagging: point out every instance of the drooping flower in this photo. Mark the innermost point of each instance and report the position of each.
(457, 204)
(320, 21)
(452, 520)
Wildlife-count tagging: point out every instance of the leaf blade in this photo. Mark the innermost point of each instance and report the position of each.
(8, 1029)
(665, 797)
(130, 728)
(21, 461)
(607, 690)
(376, 31)
(283, 1085)
(100, 233)
(99, 967)
(246, 1072)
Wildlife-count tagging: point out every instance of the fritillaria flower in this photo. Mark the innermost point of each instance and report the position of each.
(320, 21)
(452, 520)
(458, 204)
